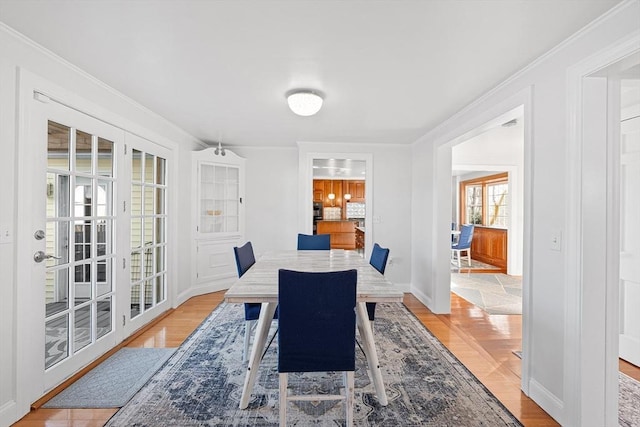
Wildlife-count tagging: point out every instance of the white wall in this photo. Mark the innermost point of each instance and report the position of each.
(545, 82)
(19, 52)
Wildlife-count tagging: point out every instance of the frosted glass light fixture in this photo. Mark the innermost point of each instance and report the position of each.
(304, 102)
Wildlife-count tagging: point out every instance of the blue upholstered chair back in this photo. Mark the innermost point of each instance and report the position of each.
(464, 240)
(378, 260)
(244, 260)
(379, 257)
(308, 242)
(317, 321)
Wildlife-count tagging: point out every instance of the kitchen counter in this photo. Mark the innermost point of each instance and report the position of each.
(343, 233)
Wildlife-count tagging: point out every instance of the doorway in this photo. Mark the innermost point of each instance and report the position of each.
(597, 203)
(364, 161)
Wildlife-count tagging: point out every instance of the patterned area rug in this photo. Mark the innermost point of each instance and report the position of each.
(201, 384)
(494, 293)
(628, 400)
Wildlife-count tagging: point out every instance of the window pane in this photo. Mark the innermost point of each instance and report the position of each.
(473, 214)
(136, 165)
(148, 168)
(148, 262)
(497, 202)
(83, 197)
(83, 152)
(136, 233)
(56, 291)
(104, 237)
(103, 283)
(161, 165)
(148, 201)
(135, 300)
(56, 340)
(82, 287)
(82, 327)
(57, 195)
(159, 289)
(103, 205)
(136, 266)
(104, 317)
(136, 199)
(82, 240)
(58, 146)
(105, 157)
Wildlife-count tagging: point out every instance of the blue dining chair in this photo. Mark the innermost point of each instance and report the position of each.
(463, 244)
(322, 342)
(308, 242)
(244, 260)
(378, 260)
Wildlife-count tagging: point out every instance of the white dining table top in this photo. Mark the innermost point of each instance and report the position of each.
(260, 282)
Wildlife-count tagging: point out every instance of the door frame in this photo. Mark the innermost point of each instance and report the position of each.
(31, 382)
(591, 310)
(442, 202)
(29, 82)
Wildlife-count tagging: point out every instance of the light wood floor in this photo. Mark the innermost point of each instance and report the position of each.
(483, 343)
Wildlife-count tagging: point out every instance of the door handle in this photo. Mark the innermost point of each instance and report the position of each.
(41, 256)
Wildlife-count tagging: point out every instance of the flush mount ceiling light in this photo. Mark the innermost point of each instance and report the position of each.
(304, 102)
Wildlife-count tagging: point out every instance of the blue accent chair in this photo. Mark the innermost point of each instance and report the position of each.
(317, 331)
(315, 242)
(463, 244)
(244, 260)
(378, 260)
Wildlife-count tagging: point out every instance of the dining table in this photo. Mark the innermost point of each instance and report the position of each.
(260, 285)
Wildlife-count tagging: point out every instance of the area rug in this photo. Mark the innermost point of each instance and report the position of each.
(493, 293)
(628, 402)
(201, 384)
(112, 383)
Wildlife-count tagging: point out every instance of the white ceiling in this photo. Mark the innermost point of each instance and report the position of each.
(390, 70)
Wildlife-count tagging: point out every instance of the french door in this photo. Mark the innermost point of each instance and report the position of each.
(74, 176)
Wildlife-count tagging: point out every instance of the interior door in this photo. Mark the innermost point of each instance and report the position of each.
(73, 179)
(630, 241)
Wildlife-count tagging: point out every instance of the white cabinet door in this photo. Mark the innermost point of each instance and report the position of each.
(630, 241)
(218, 219)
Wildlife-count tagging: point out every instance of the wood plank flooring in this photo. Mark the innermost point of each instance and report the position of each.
(483, 343)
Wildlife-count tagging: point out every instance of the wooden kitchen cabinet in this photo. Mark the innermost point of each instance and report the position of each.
(343, 233)
(356, 189)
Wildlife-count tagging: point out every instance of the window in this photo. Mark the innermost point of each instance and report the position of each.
(485, 201)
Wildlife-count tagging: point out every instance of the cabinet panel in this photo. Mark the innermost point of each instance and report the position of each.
(215, 261)
(489, 245)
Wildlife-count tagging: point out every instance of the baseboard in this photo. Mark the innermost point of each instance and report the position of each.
(201, 290)
(547, 401)
(422, 297)
(8, 413)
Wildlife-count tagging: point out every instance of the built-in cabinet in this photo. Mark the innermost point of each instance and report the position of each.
(489, 245)
(218, 222)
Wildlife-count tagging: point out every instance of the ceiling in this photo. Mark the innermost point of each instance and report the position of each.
(390, 70)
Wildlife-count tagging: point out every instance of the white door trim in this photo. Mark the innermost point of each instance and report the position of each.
(591, 311)
(441, 280)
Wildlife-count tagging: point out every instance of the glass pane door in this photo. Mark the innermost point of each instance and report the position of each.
(80, 254)
(148, 232)
(219, 199)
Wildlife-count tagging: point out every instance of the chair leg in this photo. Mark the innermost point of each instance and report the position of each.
(283, 398)
(349, 391)
(469, 257)
(458, 252)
